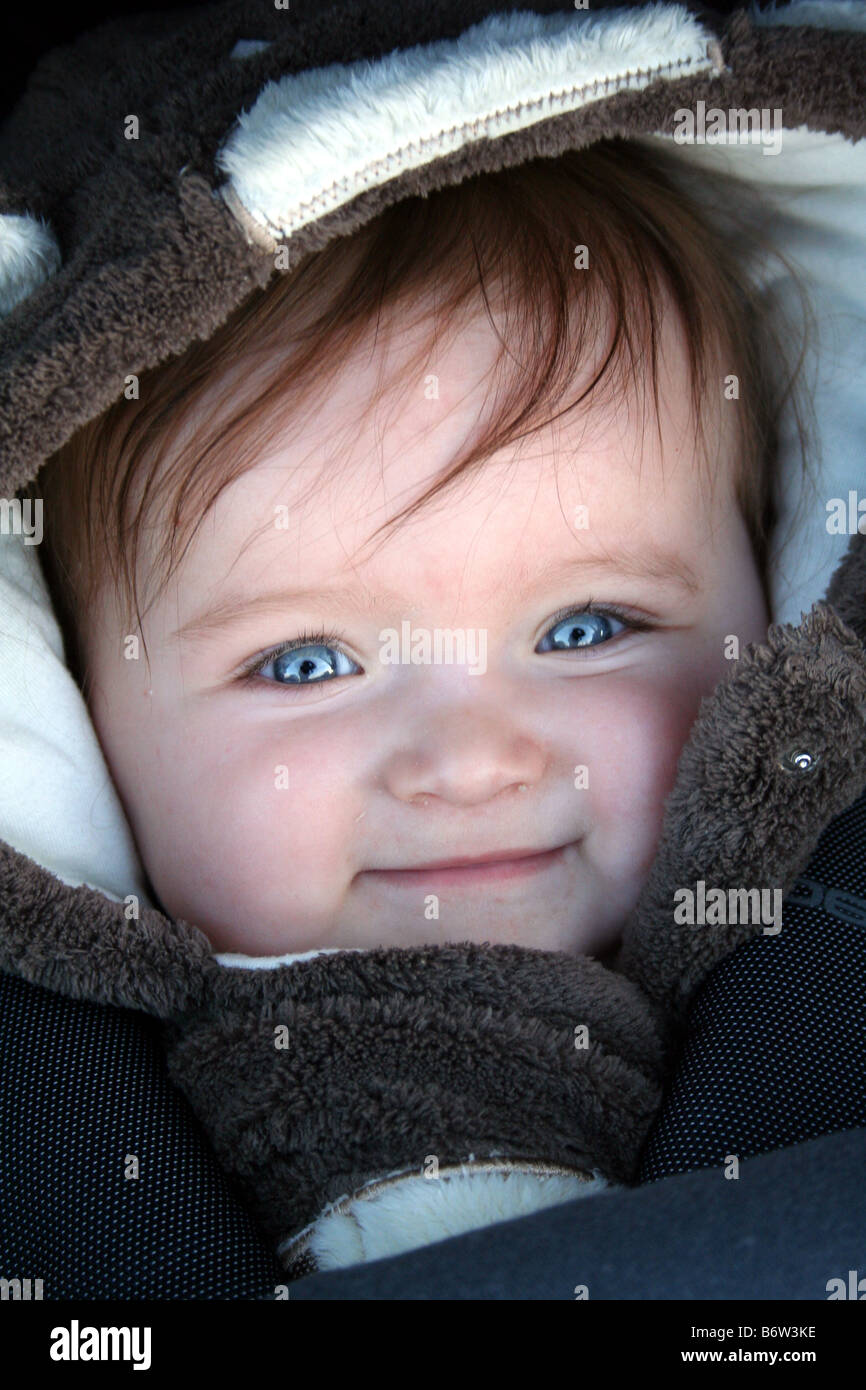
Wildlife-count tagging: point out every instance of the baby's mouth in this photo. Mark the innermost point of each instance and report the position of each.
(497, 867)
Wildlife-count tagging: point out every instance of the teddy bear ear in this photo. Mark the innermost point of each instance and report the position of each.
(29, 255)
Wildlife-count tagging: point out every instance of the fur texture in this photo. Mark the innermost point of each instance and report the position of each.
(29, 254)
(411, 1209)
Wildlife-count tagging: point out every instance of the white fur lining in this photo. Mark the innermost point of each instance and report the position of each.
(407, 1210)
(29, 255)
(314, 140)
(58, 803)
(235, 959)
(814, 174)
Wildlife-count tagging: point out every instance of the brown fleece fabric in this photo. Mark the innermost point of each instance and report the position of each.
(392, 1054)
(801, 691)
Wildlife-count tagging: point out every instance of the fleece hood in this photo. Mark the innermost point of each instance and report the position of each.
(262, 127)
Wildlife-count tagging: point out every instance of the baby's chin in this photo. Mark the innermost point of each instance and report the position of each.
(229, 940)
(533, 924)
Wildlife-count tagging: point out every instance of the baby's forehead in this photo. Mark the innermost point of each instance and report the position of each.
(363, 443)
(506, 533)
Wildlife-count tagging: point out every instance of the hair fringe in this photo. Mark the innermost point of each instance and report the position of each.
(512, 231)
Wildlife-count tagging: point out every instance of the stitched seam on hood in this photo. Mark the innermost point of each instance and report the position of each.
(372, 172)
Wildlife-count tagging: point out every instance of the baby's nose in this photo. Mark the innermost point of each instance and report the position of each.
(466, 759)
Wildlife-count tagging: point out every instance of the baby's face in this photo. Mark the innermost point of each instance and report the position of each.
(296, 810)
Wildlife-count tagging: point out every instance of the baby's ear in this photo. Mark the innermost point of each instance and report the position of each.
(846, 592)
(29, 254)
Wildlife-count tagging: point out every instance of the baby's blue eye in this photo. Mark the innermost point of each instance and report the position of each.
(313, 664)
(579, 629)
(315, 658)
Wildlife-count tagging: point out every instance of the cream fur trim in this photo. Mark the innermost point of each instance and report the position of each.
(408, 1210)
(314, 140)
(29, 255)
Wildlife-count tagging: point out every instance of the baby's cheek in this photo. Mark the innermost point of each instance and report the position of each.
(642, 728)
(287, 807)
(257, 855)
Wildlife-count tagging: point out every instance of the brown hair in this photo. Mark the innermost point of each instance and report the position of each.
(517, 228)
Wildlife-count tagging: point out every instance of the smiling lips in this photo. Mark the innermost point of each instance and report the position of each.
(497, 867)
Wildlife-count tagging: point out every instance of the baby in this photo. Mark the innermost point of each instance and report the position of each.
(293, 779)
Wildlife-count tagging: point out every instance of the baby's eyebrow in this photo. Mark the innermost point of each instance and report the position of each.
(234, 609)
(651, 563)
